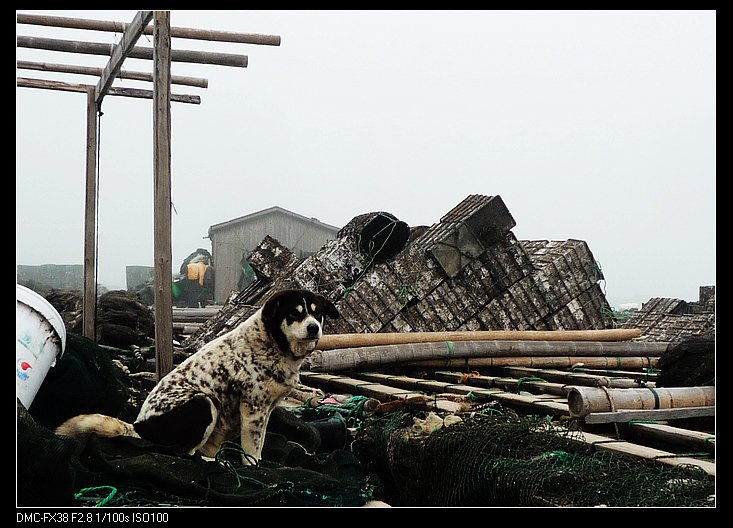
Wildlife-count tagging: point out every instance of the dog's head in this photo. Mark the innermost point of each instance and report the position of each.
(294, 319)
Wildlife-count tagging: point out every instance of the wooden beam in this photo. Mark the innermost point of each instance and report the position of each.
(176, 32)
(119, 53)
(603, 443)
(163, 278)
(89, 298)
(673, 435)
(24, 82)
(98, 48)
(623, 416)
(123, 74)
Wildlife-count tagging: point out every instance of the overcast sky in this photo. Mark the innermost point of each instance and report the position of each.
(593, 125)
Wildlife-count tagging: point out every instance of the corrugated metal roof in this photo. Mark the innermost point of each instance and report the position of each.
(270, 210)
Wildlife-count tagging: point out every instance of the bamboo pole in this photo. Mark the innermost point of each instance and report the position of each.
(649, 374)
(573, 378)
(586, 400)
(539, 362)
(528, 382)
(333, 341)
(348, 358)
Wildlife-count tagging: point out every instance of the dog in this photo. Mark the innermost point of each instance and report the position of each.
(230, 386)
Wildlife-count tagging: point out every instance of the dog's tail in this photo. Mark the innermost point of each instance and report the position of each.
(86, 424)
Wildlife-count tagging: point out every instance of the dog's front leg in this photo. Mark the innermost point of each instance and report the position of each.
(254, 425)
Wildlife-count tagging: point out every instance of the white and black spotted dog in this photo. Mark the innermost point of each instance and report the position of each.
(228, 388)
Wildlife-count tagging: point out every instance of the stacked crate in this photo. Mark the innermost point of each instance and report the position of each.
(466, 272)
(671, 320)
(469, 272)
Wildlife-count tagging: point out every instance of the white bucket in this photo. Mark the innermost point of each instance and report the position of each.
(41, 338)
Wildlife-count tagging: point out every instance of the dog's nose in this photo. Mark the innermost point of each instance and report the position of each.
(313, 329)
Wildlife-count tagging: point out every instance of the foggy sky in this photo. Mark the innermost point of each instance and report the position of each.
(593, 125)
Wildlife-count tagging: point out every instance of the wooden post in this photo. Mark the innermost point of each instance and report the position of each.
(90, 223)
(162, 194)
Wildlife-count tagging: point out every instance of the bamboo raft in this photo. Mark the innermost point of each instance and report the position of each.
(529, 376)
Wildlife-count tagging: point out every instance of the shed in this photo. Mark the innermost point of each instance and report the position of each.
(233, 241)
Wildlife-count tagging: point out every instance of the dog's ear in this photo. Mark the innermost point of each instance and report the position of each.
(329, 308)
(270, 308)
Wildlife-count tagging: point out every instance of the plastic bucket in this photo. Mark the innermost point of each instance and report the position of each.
(41, 338)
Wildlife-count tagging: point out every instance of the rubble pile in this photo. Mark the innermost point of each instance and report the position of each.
(466, 272)
(122, 319)
(674, 320)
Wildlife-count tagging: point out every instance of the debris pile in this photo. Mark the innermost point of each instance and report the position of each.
(122, 319)
(672, 320)
(466, 272)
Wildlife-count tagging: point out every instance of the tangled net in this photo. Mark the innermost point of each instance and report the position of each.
(508, 460)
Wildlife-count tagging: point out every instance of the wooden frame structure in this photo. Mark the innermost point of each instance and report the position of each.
(162, 55)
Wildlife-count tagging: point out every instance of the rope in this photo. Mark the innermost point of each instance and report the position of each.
(220, 457)
(468, 375)
(613, 408)
(99, 502)
(526, 378)
(656, 397)
(352, 409)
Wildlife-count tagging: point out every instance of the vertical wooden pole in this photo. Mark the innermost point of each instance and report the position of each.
(162, 194)
(90, 223)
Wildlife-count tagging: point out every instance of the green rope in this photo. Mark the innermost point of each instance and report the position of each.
(233, 447)
(487, 409)
(525, 379)
(99, 501)
(351, 410)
